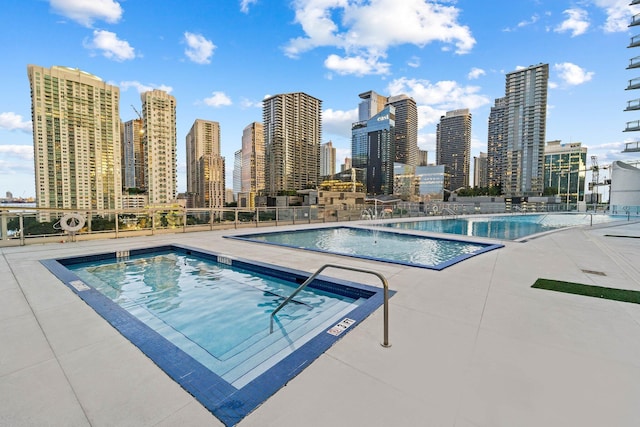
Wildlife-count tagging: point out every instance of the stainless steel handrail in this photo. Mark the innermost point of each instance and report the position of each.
(385, 285)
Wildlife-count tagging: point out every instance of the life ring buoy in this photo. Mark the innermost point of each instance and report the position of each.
(434, 209)
(72, 222)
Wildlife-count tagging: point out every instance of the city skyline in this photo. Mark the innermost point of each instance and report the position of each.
(461, 64)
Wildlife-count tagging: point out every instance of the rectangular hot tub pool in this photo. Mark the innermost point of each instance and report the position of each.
(204, 318)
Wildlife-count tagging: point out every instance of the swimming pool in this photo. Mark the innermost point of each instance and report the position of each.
(204, 318)
(503, 227)
(376, 245)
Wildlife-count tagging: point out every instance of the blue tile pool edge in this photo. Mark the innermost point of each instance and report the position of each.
(487, 247)
(224, 401)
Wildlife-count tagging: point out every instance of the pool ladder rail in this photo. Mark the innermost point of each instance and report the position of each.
(385, 285)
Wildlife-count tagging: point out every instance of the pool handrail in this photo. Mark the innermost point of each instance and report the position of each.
(385, 285)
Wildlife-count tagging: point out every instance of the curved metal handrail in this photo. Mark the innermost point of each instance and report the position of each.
(385, 285)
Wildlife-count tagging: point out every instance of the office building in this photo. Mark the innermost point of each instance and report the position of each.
(432, 182)
(76, 140)
(252, 170)
(160, 142)
(526, 93)
(372, 149)
(205, 165)
(565, 169)
(292, 134)
(372, 103)
(496, 142)
(453, 146)
(327, 159)
(133, 156)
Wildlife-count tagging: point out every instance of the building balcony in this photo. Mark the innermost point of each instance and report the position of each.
(634, 63)
(633, 105)
(632, 126)
(634, 84)
(632, 147)
(635, 41)
(635, 20)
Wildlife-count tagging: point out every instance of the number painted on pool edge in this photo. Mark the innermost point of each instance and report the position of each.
(224, 260)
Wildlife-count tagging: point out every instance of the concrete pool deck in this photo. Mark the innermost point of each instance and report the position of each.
(472, 345)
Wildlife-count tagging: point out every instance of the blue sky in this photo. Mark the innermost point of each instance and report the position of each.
(220, 58)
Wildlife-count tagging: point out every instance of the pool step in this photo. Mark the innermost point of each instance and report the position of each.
(268, 349)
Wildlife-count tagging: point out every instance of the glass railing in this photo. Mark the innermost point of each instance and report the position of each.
(21, 226)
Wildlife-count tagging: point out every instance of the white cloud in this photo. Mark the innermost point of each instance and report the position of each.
(338, 122)
(414, 62)
(111, 46)
(577, 22)
(417, 22)
(13, 121)
(217, 99)
(572, 74)
(434, 100)
(199, 49)
(85, 12)
(521, 24)
(249, 103)
(244, 5)
(24, 152)
(141, 88)
(475, 73)
(356, 65)
(618, 14)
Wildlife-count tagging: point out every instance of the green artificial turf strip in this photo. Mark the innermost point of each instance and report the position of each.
(623, 295)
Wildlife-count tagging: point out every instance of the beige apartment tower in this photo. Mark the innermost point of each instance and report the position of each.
(205, 166)
(252, 175)
(292, 134)
(159, 116)
(76, 140)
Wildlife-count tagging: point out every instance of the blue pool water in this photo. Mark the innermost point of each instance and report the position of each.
(377, 245)
(509, 227)
(197, 312)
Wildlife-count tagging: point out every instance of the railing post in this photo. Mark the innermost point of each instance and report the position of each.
(385, 285)
(21, 221)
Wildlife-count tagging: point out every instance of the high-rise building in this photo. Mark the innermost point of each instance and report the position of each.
(496, 142)
(160, 142)
(346, 165)
(406, 129)
(453, 146)
(372, 103)
(526, 93)
(423, 157)
(292, 134)
(205, 165)
(133, 155)
(237, 172)
(76, 140)
(565, 170)
(372, 149)
(252, 171)
(327, 159)
(480, 170)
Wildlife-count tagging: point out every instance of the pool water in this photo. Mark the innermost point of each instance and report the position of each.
(204, 318)
(216, 313)
(377, 245)
(509, 227)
